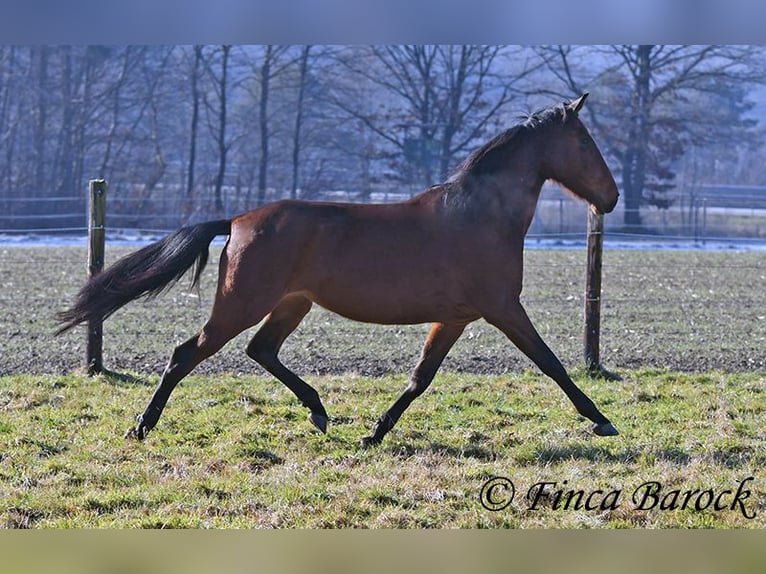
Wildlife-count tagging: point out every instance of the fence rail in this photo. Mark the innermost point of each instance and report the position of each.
(701, 214)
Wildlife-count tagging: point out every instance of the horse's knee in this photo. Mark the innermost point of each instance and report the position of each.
(183, 354)
(417, 386)
(199, 347)
(261, 352)
(254, 351)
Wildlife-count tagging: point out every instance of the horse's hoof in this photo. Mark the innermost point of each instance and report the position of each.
(319, 421)
(136, 433)
(605, 429)
(370, 441)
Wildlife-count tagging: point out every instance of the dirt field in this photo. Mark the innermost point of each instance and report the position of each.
(690, 311)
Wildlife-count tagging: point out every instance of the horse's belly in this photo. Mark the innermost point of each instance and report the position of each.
(394, 306)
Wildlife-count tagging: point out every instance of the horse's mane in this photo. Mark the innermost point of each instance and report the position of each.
(489, 157)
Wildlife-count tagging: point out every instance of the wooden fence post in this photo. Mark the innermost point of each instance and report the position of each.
(94, 343)
(591, 336)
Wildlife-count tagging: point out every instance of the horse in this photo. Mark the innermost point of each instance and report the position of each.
(448, 256)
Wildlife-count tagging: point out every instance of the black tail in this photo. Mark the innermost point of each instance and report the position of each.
(146, 272)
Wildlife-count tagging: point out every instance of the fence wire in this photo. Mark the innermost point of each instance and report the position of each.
(701, 214)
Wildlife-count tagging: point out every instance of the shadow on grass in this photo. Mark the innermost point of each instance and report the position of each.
(468, 451)
(599, 453)
(261, 459)
(21, 518)
(736, 457)
(473, 449)
(599, 372)
(548, 455)
(123, 379)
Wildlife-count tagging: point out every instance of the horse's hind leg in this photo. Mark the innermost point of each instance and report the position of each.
(515, 323)
(439, 342)
(183, 360)
(264, 348)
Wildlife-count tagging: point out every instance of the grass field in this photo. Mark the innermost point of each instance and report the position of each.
(685, 330)
(238, 452)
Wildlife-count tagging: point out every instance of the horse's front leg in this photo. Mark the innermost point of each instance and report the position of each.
(514, 322)
(437, 345)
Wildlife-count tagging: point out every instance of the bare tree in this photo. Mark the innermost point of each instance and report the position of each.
(64, 159)
(300, 125)
(656, 101)
(195, 95)
(304, 119)
(438, 99)
(8, 98)
(122, 109)
(303, 67)
(41, 54)
(217, 120)
(271, 66)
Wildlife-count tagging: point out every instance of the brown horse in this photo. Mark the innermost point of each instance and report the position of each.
(449, 256)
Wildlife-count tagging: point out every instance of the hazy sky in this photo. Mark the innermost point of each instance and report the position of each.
(393, 21)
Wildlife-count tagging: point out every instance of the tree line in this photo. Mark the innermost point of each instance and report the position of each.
(205, 124)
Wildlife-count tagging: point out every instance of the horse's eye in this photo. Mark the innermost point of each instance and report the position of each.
(585, 140)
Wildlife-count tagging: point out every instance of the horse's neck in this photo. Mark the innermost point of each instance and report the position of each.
(521, 198)
(517, 187)
(503, 198)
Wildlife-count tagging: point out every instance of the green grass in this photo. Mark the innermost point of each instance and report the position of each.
(237, 452)
(685, 329)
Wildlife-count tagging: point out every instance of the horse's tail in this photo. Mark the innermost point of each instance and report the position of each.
(146, 272)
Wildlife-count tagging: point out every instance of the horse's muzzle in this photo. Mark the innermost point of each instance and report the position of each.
(608, 207)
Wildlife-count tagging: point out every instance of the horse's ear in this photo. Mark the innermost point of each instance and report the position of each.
(577, 105)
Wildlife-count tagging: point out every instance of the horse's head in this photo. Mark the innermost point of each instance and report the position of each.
(573, 159)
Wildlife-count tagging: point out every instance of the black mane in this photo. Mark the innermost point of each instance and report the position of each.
(488, 158)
